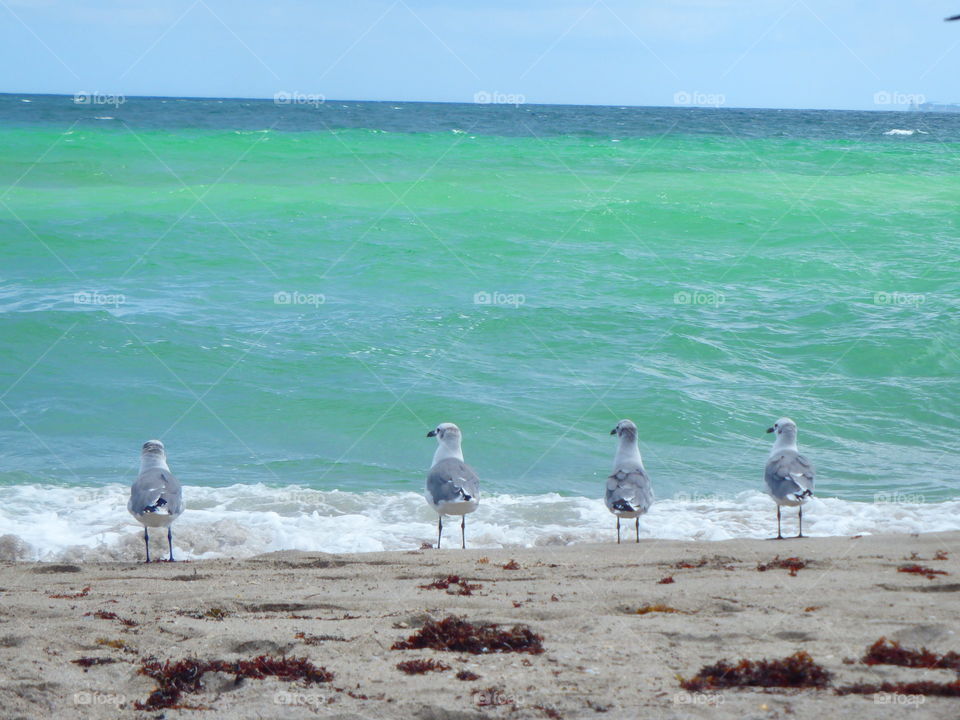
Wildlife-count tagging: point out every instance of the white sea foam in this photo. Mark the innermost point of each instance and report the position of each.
(55, 523)
(901, 131)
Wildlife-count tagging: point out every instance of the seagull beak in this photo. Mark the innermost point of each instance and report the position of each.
(432, 433)
(613, 432)
(769, 430)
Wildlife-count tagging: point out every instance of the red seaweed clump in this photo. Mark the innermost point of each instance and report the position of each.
(666, 581)
(512, 565)
(465, 588)
(928, 573)
(467, 675)
(884, 652)
(186, 676)
(419, 667)
(458, 635)
(797, 671)
(793, 564)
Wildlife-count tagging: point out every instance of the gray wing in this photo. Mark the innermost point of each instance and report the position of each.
(789, 473)
(452, 480)
(156, 491)
(629, 491)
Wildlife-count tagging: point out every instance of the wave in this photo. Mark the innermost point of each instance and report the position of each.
(900, 131)
(76, 524)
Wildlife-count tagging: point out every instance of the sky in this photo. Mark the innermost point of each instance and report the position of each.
(844, 54)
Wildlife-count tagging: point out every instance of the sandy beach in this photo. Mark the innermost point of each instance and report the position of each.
(601, 657)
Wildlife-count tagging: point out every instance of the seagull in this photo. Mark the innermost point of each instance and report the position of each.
(453, 488)
(629, 494)
(156, 499)
(789, 475)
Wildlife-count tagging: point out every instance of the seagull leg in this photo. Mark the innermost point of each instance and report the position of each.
(170, 541)
(618, 529)
(779, 535)
(638, 528)
(146, 542)
(463, 532)
(439, 529)
(800, 532)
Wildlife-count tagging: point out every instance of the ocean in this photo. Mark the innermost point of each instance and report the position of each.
(291, 295)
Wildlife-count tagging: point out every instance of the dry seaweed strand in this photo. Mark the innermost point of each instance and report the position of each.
(456, 634)
(793, 564)
(419, 667)
(796, 671)
(86, 662)
(186, 676)
(659, 608)
(924, 687)
(928, 573)
(71, 596)
(106, 615)
(512, 565)
(467, 676)
(666, 581)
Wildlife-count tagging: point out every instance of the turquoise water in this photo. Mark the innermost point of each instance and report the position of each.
(700, 272)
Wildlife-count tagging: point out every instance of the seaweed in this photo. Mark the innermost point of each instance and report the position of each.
(419, 667)
(456, 634)
(796, 671)
(467, 676)
(666, 581)
(186, 676)
(923, 687)
(928, 573)
(511, 565)
(106, 615)
(71, 596)
(659, 609)
(884, 652)
(940, 555)
(465, 588)
(683, 565)
(812, 608)
(317, 639)
(86, 662)
(115, 644)
(793, 564)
